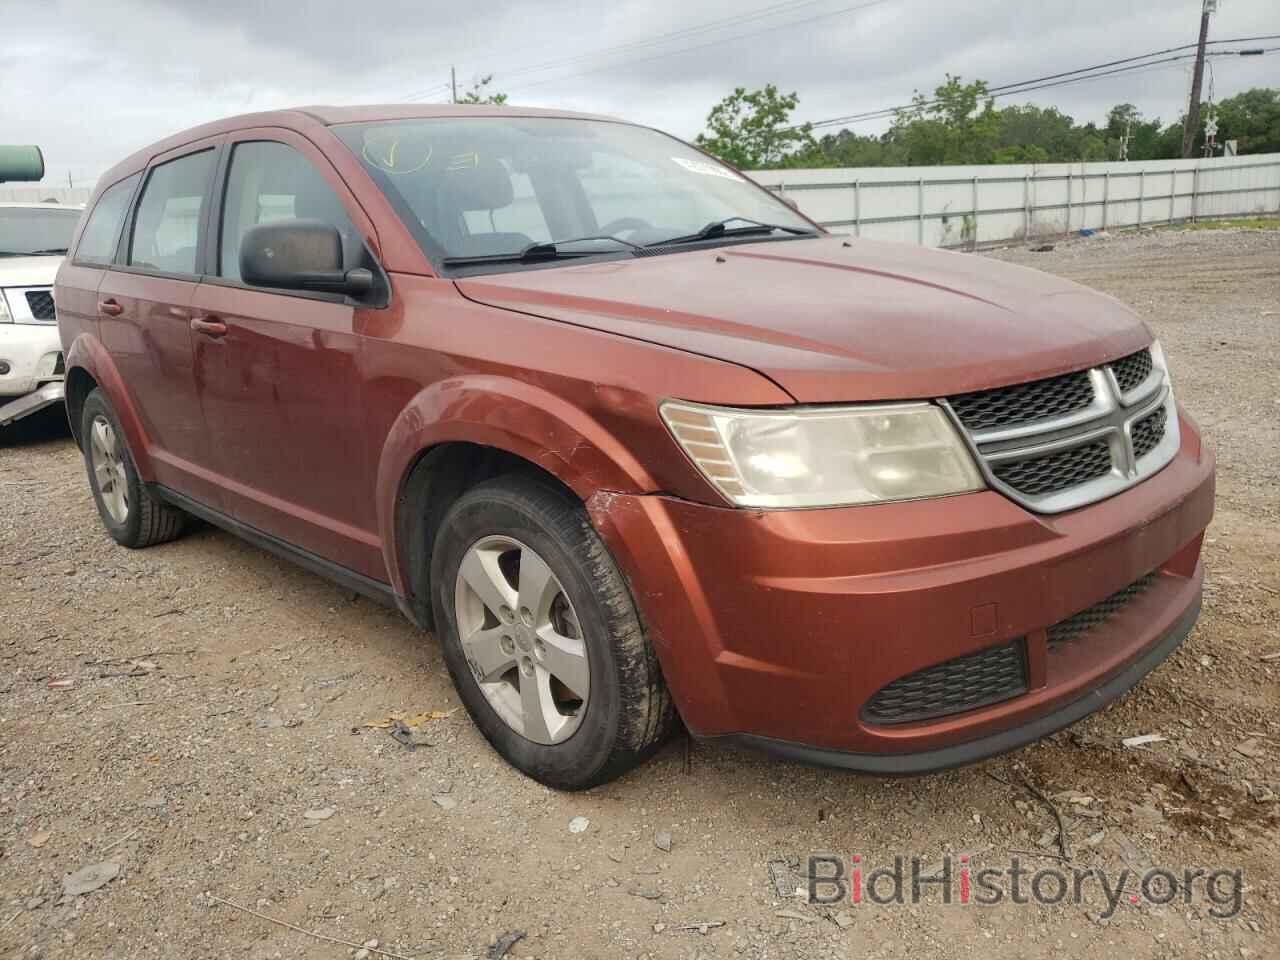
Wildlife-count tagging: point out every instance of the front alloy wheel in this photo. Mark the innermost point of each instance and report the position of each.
(541, 635)
(522, 639)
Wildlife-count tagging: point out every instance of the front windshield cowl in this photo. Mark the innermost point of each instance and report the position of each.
(499, 192)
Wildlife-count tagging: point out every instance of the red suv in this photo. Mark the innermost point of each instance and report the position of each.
(633, 438)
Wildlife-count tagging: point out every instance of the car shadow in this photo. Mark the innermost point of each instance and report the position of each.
(43, 426)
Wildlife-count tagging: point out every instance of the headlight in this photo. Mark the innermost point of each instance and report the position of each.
(5, 315)
(824, 457)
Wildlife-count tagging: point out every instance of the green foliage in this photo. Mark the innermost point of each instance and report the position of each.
(477, 93)
(960, 124)
(1253, 119)
(752, 130)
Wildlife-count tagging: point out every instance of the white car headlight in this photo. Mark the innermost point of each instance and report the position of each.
(824, 457)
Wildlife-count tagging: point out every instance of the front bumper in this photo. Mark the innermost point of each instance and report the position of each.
(32, 352)
(777, 628)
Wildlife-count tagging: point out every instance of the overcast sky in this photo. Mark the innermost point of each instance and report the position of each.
(92, 81)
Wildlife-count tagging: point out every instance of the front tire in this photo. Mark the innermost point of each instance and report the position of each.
(133, 516)
(542, 638)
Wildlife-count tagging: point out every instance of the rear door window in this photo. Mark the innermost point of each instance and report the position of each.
(166, 228)
(102, 231)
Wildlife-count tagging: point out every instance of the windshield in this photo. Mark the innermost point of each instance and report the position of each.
(492, 186)
(36, 230)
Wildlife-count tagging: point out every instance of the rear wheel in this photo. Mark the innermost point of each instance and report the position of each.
(131, 513)
(542, 638)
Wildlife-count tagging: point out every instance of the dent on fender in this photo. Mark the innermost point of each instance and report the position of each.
(509, 415)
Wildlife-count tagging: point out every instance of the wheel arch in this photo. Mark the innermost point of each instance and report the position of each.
(457, 433)
(79, 384)
(89, 366)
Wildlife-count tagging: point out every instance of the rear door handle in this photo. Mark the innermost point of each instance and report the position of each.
(209, 327)
(110, 307)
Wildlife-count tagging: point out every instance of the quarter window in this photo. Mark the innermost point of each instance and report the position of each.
(273, 181)
(102, 231)
(166, 228)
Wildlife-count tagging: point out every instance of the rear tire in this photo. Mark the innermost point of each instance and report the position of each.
(133, 516)
(520, 526)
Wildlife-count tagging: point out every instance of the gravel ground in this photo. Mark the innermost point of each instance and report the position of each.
(197, 717)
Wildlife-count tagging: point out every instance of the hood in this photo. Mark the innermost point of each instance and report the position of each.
(836, 319)
(28, 271)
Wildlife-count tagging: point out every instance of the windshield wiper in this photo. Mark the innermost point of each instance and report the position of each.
(721, 228)
(536, 252)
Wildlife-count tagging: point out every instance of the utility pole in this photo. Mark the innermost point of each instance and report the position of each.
(1193, 108)
(1124, 141)
(453, 81)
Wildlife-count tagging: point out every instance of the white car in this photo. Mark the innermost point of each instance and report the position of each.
(33, 238)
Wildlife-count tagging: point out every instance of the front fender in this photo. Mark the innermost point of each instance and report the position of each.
(506, 414)
(87, 353)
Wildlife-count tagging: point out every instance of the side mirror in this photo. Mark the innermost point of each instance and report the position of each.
(789, 200)
(299, 255)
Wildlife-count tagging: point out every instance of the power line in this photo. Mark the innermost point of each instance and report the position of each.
(713, 43)
(759, 14)
(1113, 63)
(1008, 88)
(1040, 83)
(711, 25)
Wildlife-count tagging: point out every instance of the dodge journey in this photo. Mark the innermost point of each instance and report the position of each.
(636, 441)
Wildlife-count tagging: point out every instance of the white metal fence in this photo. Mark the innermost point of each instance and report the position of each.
(28, 194)
(969, 206)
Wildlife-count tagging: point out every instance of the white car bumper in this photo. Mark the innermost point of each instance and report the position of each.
(32, 353)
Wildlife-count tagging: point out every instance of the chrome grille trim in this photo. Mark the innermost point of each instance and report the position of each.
(1110, 417)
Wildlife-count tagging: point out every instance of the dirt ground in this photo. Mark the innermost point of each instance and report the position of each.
(212, 744)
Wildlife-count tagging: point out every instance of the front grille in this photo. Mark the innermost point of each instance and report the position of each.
(1024, 402)
(1148, 432)
(1062, 443)
(1057, 471)
(41, 304)
(1132, 370)
(965, 683)
(1074, 627)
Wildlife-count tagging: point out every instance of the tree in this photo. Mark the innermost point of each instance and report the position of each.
(1252, 118)
(843, 149)
(959, 124)
(477, 93)
(753, 130)
(1146, 138)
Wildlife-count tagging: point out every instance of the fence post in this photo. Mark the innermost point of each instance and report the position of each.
(857, 209)
(1026, 206)
(1106, 196)
(1195, 189)
(920, 211)
(975, 213)
(1067, 232)
(1142, 185)
(1173, 192)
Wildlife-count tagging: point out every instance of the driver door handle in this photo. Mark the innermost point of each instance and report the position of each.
(209, 326)
(110, 308)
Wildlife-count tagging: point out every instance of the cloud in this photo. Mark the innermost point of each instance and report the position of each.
(93, 81)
